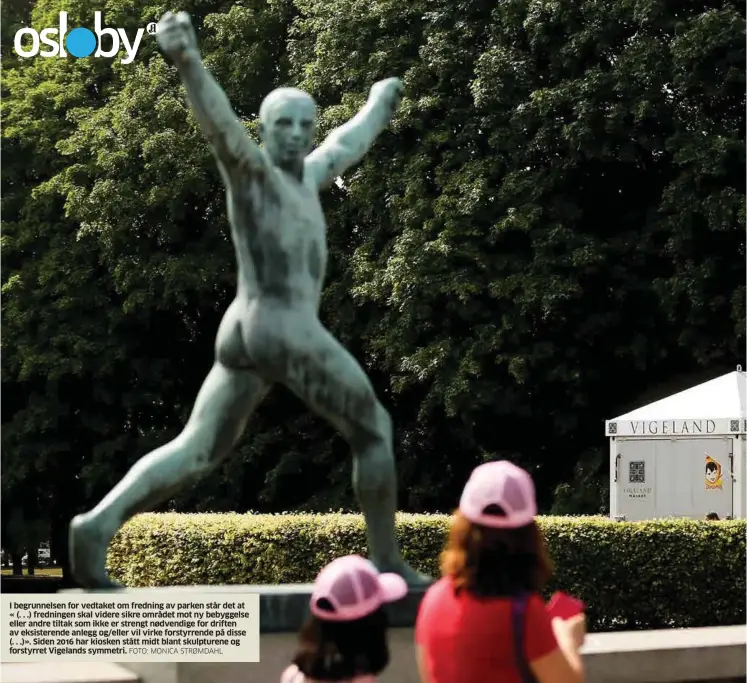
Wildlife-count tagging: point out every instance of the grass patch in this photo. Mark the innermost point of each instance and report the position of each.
(40, 571)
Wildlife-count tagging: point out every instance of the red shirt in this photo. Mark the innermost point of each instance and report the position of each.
(469, 640)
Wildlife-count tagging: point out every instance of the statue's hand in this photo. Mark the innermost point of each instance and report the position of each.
(175, 35)
(388, 91)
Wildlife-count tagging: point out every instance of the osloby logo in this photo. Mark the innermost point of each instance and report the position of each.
(80, 42)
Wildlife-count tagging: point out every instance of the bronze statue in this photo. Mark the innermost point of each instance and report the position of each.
(271, 332)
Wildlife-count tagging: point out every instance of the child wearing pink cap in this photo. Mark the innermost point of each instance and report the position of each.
(485, 619)
(345, 638)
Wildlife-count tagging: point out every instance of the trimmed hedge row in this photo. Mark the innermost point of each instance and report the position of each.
(632, 575)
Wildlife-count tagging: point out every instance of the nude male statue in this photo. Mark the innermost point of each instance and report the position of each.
(271, 332)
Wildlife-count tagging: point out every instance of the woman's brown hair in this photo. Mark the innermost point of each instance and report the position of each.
(490, 562)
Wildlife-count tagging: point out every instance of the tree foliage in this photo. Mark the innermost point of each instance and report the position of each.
(553, 224)
(564, 193)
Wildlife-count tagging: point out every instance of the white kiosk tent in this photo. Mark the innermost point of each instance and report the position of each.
(682, 456)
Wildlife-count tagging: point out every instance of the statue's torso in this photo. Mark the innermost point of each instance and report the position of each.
(279, 234)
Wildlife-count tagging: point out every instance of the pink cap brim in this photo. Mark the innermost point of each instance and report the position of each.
(496, 522)
(393, 587)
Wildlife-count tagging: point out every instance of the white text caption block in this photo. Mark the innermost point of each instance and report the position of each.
(160, 627)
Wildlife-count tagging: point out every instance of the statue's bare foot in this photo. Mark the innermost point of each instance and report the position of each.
(88, 549)
(413, 577)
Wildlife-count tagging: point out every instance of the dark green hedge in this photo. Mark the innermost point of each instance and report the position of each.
(632, 575)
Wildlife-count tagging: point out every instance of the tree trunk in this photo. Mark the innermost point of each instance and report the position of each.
(31, 563)
(15, 559)
(58, 549)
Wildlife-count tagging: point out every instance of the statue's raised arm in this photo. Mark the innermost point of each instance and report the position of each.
(231, 145)
(346, 146)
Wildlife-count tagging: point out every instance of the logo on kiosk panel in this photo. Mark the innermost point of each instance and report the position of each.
(713, 473)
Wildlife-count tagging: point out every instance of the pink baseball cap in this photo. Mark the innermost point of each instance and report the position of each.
(499, 483)
(354, 588)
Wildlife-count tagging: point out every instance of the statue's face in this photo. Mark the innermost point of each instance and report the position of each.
(287, 125)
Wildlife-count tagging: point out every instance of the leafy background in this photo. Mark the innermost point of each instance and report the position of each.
(551, 232)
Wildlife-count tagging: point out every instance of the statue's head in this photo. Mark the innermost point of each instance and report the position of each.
(287, 123)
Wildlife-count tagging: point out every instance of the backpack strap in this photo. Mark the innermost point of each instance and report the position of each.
(518, 627)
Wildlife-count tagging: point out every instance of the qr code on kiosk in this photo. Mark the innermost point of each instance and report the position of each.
(637, 472)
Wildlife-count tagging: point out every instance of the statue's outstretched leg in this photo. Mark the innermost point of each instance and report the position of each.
(332, 383)
(223, 406)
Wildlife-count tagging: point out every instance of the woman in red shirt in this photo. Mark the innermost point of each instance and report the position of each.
(487, 607)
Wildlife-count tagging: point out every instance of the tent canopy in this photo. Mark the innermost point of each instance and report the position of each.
(720, 398)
